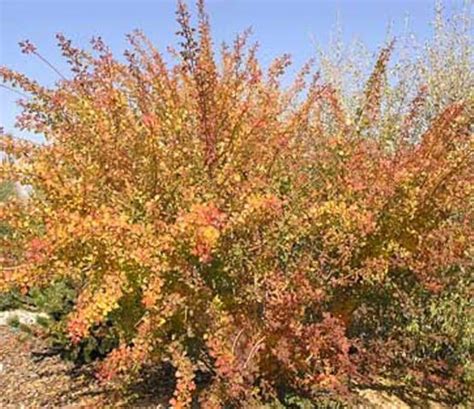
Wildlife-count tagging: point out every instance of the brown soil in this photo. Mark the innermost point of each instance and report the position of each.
(30, 377)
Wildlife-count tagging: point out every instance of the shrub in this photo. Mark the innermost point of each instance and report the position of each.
(276, 238)
(6, 190)
(10, 299)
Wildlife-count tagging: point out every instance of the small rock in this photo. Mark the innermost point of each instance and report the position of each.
(24, 317)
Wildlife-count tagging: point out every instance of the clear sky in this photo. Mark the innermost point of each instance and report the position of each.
(279, 26)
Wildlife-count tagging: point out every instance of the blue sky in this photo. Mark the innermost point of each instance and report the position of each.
(279, 25)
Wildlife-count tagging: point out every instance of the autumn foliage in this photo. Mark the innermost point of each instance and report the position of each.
(272, 237)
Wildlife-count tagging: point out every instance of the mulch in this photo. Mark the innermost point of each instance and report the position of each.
(31, 377)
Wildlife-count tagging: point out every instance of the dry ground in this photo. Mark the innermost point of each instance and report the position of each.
(32, 378)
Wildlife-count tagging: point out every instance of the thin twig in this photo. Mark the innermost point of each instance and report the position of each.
(50, 65)
(253, 351)
(234, 344)
(14, 90)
